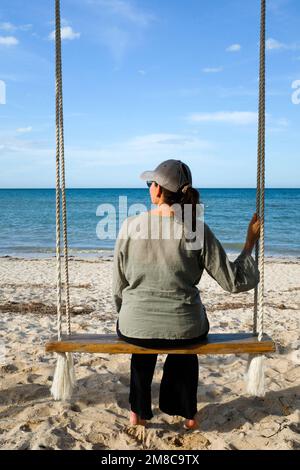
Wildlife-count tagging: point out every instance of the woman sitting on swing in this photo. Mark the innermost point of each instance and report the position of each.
(155, 289)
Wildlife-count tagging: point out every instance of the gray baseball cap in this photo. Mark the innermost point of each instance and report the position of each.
(170, 174)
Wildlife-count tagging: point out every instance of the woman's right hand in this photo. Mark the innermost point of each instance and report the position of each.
(253, 233)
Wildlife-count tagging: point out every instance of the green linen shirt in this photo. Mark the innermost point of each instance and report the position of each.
(155, 279)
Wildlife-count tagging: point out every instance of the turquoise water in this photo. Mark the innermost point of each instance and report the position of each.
(28, 219)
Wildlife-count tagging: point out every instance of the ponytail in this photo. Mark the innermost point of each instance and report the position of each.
(192, 197)
(185, 196)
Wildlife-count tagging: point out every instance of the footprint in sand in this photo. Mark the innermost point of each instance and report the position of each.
(138, 433)
(9, 368)
(31, 378)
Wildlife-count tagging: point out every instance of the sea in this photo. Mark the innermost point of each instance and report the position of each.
(27, 227)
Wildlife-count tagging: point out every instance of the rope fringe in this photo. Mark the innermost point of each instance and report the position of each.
(64, 377)
(255, 376)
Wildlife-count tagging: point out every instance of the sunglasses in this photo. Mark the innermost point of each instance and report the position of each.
(149, 183)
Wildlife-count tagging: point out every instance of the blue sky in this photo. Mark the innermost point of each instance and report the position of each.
(144, 81)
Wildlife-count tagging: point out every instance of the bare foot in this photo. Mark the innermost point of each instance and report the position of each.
(136, 420)
(191, 424)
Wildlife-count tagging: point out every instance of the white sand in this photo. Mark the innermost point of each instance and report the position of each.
(97, 417)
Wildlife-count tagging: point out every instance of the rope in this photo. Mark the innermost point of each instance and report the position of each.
(58, 263)
(258, 315)
(60, 181)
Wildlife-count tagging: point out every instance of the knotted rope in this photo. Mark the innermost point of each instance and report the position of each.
(258, 325)
(60, 183)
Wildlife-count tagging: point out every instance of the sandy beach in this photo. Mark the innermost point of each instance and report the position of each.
(97, 417)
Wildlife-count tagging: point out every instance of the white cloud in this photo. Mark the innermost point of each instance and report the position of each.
(126, 10)
(121, 25)
(66, 33)
(283, 122)
(25, 27)
(241, 118)
(280, 125)
(240, 90)
(133, 151)
(212, 69)
(117, 40)
(234, 117)
(277, 6)
(142, 72)
(24, 130)
(9, 27)
(15, 144)
(243, 91)
(2, 92)
(234, 48)
(165, 139)
(272, 44)
(8, 41)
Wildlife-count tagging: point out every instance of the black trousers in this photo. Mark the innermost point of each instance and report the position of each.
(179, 384)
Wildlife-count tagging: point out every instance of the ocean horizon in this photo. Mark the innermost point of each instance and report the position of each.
(28, 219)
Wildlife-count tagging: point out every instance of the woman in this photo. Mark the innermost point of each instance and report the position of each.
(154, 288)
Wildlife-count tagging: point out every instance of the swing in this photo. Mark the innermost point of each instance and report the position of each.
(255, 344)
(224, 343)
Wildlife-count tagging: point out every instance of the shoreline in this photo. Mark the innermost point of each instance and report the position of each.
(109, 253)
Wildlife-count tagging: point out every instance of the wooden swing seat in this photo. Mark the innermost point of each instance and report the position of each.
(224, 343)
